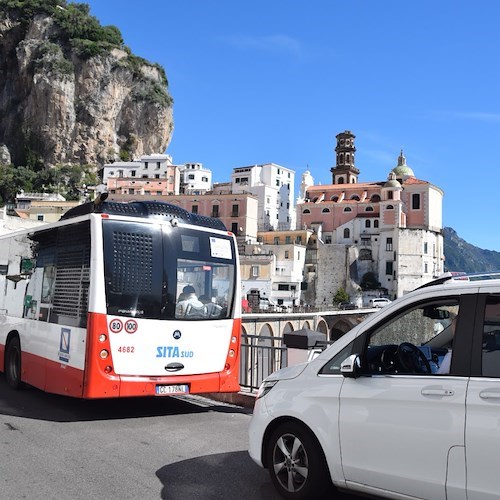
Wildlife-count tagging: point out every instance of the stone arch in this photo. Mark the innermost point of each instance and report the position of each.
(288, 327)
(339, 328)
(307, 325)
(266, 330)
(322, 327)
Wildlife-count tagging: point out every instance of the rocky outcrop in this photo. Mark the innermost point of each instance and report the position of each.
(57, 106)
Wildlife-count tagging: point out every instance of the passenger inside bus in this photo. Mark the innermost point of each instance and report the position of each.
(189, 304)
(213, 310)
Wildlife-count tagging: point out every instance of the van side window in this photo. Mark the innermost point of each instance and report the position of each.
(418, 341)
(491, 338)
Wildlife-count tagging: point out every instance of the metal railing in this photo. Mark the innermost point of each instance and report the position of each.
(260, 356)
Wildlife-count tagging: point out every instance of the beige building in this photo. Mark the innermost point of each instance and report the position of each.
(238, 212)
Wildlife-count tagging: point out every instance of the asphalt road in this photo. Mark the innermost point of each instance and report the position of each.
(52, 447)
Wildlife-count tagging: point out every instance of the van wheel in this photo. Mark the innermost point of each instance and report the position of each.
(13, 363)
(296, 464)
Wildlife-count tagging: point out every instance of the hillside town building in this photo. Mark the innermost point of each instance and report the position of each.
(380, 238)
(370, 239)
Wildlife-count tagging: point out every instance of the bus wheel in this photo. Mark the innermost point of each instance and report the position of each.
(13, 363)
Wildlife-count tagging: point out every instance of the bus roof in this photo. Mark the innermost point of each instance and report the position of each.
(156, 209)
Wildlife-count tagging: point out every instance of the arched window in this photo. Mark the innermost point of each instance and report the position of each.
(334, 198)
(375, 223)
(341, 180)
(368, 223)
(306, 211)
(341, 158)
(375, 198)
(315, 199)
(369, 209)
(347, 233)
(355, 197)
(347, 209)
(390, 207)
(325, 211)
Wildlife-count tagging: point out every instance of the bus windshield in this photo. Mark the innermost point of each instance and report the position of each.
(160, 272)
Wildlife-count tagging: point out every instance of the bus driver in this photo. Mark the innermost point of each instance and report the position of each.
(186, 298)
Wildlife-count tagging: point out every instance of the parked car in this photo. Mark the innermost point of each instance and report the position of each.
(380, 302)
(347, 305)
(384, 412)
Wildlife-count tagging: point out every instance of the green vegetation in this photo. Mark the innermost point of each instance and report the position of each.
(128, 148)
(68, 180)
(153, 93)
(83, 33)
(26, 9)
(51, 60)
(13, 179)
(340, 296)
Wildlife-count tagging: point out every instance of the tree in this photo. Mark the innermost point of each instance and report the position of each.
(340, 296)
(13, 180)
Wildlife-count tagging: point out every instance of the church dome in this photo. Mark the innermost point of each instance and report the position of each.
(392, 182)
(402, 169)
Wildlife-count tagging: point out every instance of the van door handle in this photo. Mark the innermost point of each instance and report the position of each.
(437, 392)
(489, 395)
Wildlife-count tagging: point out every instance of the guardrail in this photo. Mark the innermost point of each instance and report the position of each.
(260, 356)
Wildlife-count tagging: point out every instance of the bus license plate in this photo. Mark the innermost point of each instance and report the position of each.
(172, 389)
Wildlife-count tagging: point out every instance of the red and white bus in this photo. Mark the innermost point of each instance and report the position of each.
(88, 304)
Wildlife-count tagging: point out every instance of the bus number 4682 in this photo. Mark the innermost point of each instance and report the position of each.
(126, 349)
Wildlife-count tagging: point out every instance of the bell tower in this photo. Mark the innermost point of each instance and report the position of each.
(345, 171)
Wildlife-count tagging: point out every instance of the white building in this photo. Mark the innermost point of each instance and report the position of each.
(195, 179)
(273, 185)
(150, 174)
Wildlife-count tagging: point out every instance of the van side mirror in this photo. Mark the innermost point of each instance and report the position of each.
(351, 366)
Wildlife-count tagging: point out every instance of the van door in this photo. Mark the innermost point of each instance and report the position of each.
(402, 422)
(482, 435)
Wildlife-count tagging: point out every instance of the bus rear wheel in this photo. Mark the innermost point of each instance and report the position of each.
(13, 363)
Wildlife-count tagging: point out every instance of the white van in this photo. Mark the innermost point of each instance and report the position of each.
(379, 302)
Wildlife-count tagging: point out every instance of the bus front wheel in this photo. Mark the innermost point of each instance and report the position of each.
(13, 363)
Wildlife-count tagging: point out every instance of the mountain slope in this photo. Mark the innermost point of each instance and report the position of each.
(462, 256)
(72, 92)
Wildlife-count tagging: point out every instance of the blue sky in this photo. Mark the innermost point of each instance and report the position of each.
(276, 80)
